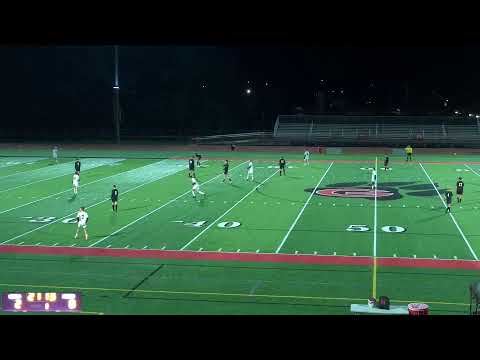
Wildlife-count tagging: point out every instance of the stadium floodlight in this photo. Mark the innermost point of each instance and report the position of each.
(477, 116)
(456, 112)
(116, 87)
(470, 115)
(248, 91)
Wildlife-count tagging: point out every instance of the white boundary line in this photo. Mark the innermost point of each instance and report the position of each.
(472, 170)
(155, 210)
(90, 206)
(302, 210)
(451, 216)
(226, 212)
(33, 160)
(70, 189)
(57, 176)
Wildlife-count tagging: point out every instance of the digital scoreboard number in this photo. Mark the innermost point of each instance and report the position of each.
(41, 302)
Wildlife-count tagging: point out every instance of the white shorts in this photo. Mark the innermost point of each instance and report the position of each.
(84, 225)
(250, 172)
(75, 184)
(196, 187)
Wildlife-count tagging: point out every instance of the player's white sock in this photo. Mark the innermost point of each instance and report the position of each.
(201, 192)
(193, 193)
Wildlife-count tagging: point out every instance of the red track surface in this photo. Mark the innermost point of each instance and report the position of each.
(243, 257)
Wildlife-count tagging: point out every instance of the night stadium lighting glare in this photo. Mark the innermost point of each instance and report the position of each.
(116, 87)
(470, 115)
(249, 91)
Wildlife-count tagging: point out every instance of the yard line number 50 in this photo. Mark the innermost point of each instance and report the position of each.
(386, 228)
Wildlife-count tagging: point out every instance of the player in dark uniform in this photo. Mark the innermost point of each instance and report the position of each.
(385, 162)
(199, 157)
(225, 172)
(114, 198)
(191, 167)
(282, 164)
(460, 186)
(448, 197)
(78, 164)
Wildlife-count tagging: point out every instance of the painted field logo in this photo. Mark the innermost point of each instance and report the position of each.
(357, 193)
(353, 192)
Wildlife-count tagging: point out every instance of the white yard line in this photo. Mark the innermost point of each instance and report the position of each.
(472, 170)
(302, 210)
(155, 210)
(91, 167)
(70, 189)
(451, 216)
(226, 212)
(89, 206)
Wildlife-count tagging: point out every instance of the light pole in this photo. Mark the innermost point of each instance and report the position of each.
(116, 99)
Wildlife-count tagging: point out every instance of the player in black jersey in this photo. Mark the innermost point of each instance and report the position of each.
(385, 162)
(460, 186)
(199, 157)
(225, 172)
(282, 164)
(448, 197)
(114, 198)
(77, 166)
(191, 167)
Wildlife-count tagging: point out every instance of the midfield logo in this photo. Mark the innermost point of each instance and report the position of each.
(385, 191)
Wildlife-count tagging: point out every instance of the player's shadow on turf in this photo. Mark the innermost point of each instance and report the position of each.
(72, 199)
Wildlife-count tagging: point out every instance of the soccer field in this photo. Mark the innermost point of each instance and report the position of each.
(311, 242)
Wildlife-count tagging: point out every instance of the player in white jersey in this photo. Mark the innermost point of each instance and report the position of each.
(82, 220)
(196, 188)
(306, 157)
(374, 178)
(75, 181)
(55, 154)
(249, 170)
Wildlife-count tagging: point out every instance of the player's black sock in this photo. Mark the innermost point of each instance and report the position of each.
(113, 207)
(116, 208)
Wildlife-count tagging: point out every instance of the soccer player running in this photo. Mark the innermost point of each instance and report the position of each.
(78, 164)
(114, 197)
(385, 162)
(225, 171)
(191, 167)
(281, 165)
(306, 157)
(460, 186)
(75, 181)
(196, 188)
(199, 157)
(374, 179)
(55, 154)
(448, 198)
(82, 220)
(409, 152)
(250, 169)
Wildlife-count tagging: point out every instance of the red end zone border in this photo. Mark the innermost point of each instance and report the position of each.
(243, 257)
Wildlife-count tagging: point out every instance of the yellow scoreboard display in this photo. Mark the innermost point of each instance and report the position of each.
(41, 302)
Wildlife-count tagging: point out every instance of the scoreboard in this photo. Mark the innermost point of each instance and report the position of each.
(41, 302)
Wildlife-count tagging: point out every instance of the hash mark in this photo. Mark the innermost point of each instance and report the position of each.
(109, 246)
(146, 246)
(55, 244)
(73, 245)
(38, 243)
(163, 248)
(238, 250)
(126, 247)
(258, 250)
(20, 243)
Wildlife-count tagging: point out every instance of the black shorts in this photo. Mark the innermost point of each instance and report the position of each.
(460, 192)
(449, 202)
(225, 172)
(385, 164)
(114, 199)
(191, 169)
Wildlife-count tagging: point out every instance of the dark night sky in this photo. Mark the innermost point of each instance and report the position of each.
(68, 87)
